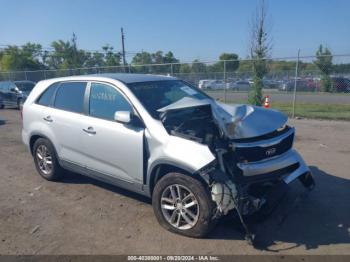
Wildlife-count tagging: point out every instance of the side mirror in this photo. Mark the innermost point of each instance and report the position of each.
(13, 89)
(122, 117)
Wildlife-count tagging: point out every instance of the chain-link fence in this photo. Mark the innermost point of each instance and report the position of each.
(302, 87)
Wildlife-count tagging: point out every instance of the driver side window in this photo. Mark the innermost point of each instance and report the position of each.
(105, 101)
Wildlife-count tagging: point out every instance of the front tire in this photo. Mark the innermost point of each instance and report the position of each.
(183, 205)
(46, 161)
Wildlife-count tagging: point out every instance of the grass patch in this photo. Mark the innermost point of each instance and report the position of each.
(317, 111)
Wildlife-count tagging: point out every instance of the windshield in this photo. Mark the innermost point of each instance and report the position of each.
(157, 94)
(25, 86)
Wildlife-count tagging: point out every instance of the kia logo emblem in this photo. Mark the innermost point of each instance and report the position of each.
(271, 151)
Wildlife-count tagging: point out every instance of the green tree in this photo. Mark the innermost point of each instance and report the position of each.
(95, 59)
(66, 55)
(198, 67)
(245, 66)
(324, 63)
(26, 57)
(259, 51)
(185, 69)
(139, 59)
(110, 58)
(154, 62)
(170, 58)
(232, 65)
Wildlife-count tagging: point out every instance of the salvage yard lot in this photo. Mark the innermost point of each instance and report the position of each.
(82, 216)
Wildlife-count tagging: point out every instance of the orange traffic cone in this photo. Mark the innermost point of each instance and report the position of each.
(267, 102)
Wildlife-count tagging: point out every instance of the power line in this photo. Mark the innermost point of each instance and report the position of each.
(4, 47)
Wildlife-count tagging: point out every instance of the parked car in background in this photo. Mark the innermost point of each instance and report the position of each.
(211, 84)
(251, 81)
(301, 85)
(14, 93)
(270, 83)
(340, 84)
(160, 137)
(241, 85)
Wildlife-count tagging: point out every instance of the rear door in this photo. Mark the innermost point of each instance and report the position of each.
(64, 121)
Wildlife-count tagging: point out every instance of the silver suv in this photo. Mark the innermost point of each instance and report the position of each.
(159, 136)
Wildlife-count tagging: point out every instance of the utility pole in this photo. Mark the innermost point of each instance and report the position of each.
(124, 61)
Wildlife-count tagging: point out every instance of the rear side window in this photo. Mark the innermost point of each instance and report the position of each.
(70, 97)
(46, 97)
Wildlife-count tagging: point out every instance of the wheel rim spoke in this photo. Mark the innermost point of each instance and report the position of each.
(190, 213)
(173, 194)
(169, 207)
(173, 216)
(39, 156)
(178, 191)
(187, 219)
(178, 219)
(189, 196)
(192, 203)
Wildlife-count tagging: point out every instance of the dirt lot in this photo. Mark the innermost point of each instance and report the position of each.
(81, 216)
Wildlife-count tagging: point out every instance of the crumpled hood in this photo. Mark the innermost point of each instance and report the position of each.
(236, 121)
(245, 121)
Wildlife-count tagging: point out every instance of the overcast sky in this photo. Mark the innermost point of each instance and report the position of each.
(190, 28)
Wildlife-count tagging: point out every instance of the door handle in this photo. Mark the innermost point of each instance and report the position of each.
(48, 119)
(90, 130)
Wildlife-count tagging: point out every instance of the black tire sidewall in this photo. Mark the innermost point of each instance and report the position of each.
(56, 170)
(206, 206)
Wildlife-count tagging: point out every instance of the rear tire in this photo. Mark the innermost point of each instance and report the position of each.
(189, 212)
(46, 161)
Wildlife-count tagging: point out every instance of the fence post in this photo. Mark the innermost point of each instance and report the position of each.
(225, 81)
(295, 84)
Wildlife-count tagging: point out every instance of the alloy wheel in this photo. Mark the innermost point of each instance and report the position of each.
(44, 159)
(180, 207)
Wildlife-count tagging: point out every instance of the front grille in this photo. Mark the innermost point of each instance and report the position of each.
(257, 151)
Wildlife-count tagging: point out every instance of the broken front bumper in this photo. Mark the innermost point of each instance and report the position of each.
(286, 167)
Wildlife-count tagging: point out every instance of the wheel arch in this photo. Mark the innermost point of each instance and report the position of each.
(162, 168)
(35, 137)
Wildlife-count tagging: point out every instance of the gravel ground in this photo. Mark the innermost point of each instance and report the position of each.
(82, 216)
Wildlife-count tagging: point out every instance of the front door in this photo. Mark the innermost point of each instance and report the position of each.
(111, 148)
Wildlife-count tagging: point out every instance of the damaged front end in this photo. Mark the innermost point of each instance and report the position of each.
(253, 147)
